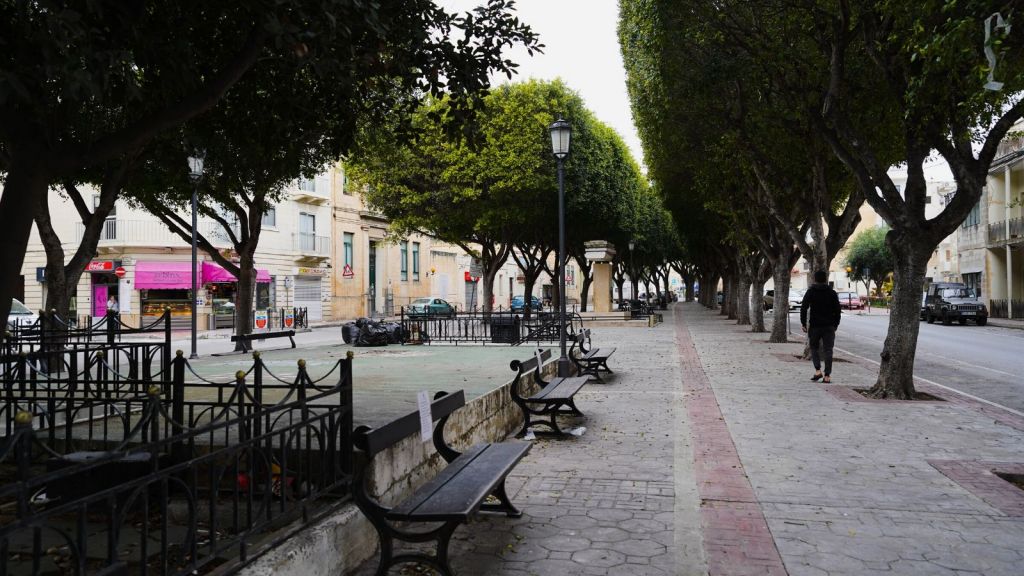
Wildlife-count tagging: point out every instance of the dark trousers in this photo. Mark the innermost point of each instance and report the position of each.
(823, 338)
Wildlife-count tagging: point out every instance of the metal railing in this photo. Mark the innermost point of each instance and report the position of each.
(186, 475)
(484, 327)
(1000, 308)
(120, 232)
(997, 232)
(307, 243)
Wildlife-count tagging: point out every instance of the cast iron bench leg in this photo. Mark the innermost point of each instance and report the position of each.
(506, 505)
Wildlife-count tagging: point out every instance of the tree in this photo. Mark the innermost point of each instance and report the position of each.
(868, 258)
(93, 84)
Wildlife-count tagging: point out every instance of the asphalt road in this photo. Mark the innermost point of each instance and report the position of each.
(987, 362)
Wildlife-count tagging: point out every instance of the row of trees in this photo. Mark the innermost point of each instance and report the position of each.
(117, 96)
(493, 189)
(767, 125)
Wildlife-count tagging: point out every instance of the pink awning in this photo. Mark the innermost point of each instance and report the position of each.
(213, 273)
(163, 275)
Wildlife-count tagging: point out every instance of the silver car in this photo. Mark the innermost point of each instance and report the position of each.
(796, 297)
(20, 314)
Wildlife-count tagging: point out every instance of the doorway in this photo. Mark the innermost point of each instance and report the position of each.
(372, 267)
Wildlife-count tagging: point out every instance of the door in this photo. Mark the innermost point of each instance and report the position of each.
(99, 299)
(307, 295)
(307, 232)
(372, 267)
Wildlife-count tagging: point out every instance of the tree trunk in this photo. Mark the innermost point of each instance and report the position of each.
(529, 280)
(492, 260)
(732, 298)
(688, 282)
(246, 289)
(743, 301)
(757, 306)
(586, 272)
(896, 374)
(781, 279)
(23, 186)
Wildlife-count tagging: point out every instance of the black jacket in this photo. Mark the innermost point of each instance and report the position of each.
(824, 304)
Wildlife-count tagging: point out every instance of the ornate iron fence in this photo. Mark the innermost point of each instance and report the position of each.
(1000, 308)
(181, 477)
(485, 327)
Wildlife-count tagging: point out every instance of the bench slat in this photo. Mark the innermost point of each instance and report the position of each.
(459, 490)
(595, 354)
(561, 390)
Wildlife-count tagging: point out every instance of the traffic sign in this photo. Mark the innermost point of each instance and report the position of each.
(120, 271)
(347, 271)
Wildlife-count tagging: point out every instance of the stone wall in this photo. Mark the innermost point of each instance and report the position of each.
(342, 542)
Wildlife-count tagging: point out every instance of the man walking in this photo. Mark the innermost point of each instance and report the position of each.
(822, 324)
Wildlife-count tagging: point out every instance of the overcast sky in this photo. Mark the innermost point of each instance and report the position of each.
(580, 47)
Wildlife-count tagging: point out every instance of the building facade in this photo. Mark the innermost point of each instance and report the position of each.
(992, 237)
(141, 267)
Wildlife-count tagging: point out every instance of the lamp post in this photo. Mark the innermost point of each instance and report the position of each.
(561, 134)
(195, 174)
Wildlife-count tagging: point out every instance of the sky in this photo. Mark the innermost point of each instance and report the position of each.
(582, 48)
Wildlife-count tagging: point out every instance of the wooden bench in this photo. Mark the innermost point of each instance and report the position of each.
(458, 492)
(589, 361)
(555, 396)
(246, 339)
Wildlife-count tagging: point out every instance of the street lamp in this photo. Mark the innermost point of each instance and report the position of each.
(561, 134)
(195, 174)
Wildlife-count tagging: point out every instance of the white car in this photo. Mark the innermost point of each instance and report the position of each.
(20, 315)
(796, 297)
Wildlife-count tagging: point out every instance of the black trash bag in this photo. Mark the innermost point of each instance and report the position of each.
(396, 334)
(372, 334)
(349, 332)
(360, 322)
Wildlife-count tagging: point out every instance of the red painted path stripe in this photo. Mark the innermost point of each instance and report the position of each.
(737, 540)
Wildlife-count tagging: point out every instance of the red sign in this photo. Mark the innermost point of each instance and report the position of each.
(100, 266)
(120, 272)
(347, 271)
(471, 278)
(289, 319)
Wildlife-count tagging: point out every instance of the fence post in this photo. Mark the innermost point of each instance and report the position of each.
(22, 456)
(257, 393)
(111, 328)
(165, 360)
(178, 406)
(346, 415)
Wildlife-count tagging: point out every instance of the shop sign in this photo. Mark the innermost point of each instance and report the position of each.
(100, 266)
(303, 271)
(289, 318)
(470, 278)
(347, 272)
(261, 319)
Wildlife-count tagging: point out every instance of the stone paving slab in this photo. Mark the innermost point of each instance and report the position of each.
(618, 500)
(846, 486)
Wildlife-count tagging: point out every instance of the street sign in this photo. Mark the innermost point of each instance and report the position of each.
(347, 272)
(120, 272)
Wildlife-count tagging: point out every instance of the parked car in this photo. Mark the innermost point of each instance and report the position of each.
(948, 301)
(924, 305)
(850, 301)
(430, 307)
(20, 314)
(768, 299)
(519, 304)
(796, 298)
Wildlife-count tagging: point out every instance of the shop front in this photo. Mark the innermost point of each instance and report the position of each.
(103, 287)
(166, 285)
(223, 289)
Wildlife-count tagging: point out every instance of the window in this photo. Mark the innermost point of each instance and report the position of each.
(404, 249)
(973, 281)
(349, 237)
(973, 217)
(307, 185)
(307, 231)
(344, 183)
(262, 295)
(270, 217)
(928, 199)
(416, 261)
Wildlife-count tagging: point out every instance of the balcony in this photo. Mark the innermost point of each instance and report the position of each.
(311, 246)
(118, 233)
(997, 233)
(317, 192)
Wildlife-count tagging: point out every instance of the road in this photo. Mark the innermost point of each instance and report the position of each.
(987, 362)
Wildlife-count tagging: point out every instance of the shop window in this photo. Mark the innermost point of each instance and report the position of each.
(349, 238)
(404, 251)
(416, 261)
(270, 217)
(262, 295)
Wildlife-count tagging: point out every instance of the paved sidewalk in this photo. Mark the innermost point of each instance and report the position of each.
(711, 452)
